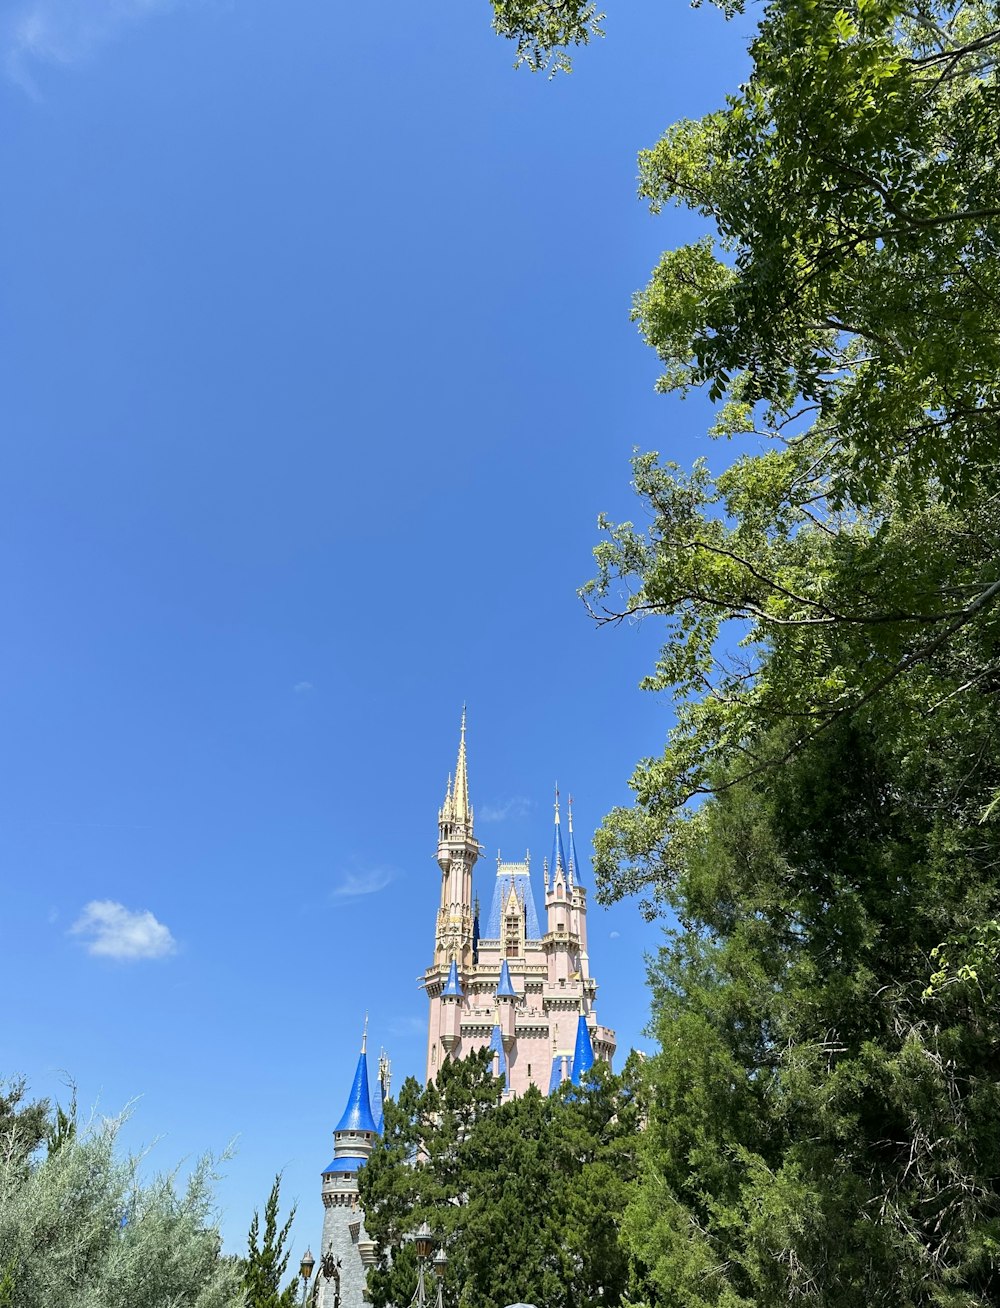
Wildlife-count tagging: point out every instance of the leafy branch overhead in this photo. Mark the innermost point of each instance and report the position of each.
(840, 310)
(544, 31)
(823, 1103)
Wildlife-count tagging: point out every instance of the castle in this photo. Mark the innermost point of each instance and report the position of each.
(526, 994)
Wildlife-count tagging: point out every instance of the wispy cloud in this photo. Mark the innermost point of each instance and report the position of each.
(515, 807)
(114, 931)
(352, 885)
(614, 935)
(303, 687)
(65, 32)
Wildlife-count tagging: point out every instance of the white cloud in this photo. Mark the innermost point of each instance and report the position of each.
(303, 687)
(614, 935)
(114, 931)
(516, 807)
(354, 884)
(65, 32)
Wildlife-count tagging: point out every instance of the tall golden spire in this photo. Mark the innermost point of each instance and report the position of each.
(460, 795)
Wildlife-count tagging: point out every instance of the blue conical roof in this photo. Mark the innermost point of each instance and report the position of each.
(505, 986)
(558, 853)
(556, 1075)
(452, 986)
(573, 856)
(496, 1046)
(358, 1113)
(583, 1054)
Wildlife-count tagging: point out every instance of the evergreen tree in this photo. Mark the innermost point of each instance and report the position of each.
(525, 1195)
(267, 1259)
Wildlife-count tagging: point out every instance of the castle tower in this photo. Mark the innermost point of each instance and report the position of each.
(346, 1251)
(456, 855)
(511, 988)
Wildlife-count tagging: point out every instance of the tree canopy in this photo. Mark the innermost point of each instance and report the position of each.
(525, 1196)
(822, 824)
(78, 1225)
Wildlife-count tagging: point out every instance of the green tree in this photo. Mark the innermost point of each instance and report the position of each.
(821, 1127)
(23, 1123)
(79, 1226)
(526, 1195)
(267, 1257)
(543, 33)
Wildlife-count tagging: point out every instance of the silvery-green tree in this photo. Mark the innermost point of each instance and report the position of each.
(79, 1226)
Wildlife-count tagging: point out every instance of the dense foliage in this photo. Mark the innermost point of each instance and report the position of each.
(822, 824)
(78, 1226)
(525, 1196)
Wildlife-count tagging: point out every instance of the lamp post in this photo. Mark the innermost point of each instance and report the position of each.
(423, 1242)
(305, 1271)
(440, 1263)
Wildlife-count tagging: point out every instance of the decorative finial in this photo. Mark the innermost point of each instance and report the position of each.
(557, 801)
(364, 1035)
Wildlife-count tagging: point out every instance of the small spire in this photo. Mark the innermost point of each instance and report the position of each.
(460, 797)
(574, 861)
(583, 1054)
(558, 852)
(364, 1036)
(505, 986)
(453, 987)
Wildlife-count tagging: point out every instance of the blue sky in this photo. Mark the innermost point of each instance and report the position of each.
(316, 372)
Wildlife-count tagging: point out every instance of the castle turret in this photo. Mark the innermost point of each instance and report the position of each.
(506, 997)
(561, 939)
(451, 1000)
(346, 1250)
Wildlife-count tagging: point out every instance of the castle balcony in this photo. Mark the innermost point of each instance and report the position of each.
(561, 940)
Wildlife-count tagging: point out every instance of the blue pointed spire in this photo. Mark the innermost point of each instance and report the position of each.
(453, 986)
(574, 861)
(496, 1046)
(583, 1054)
(357, 1116)
(558, 853)
(505, 986)
(556, 1075)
